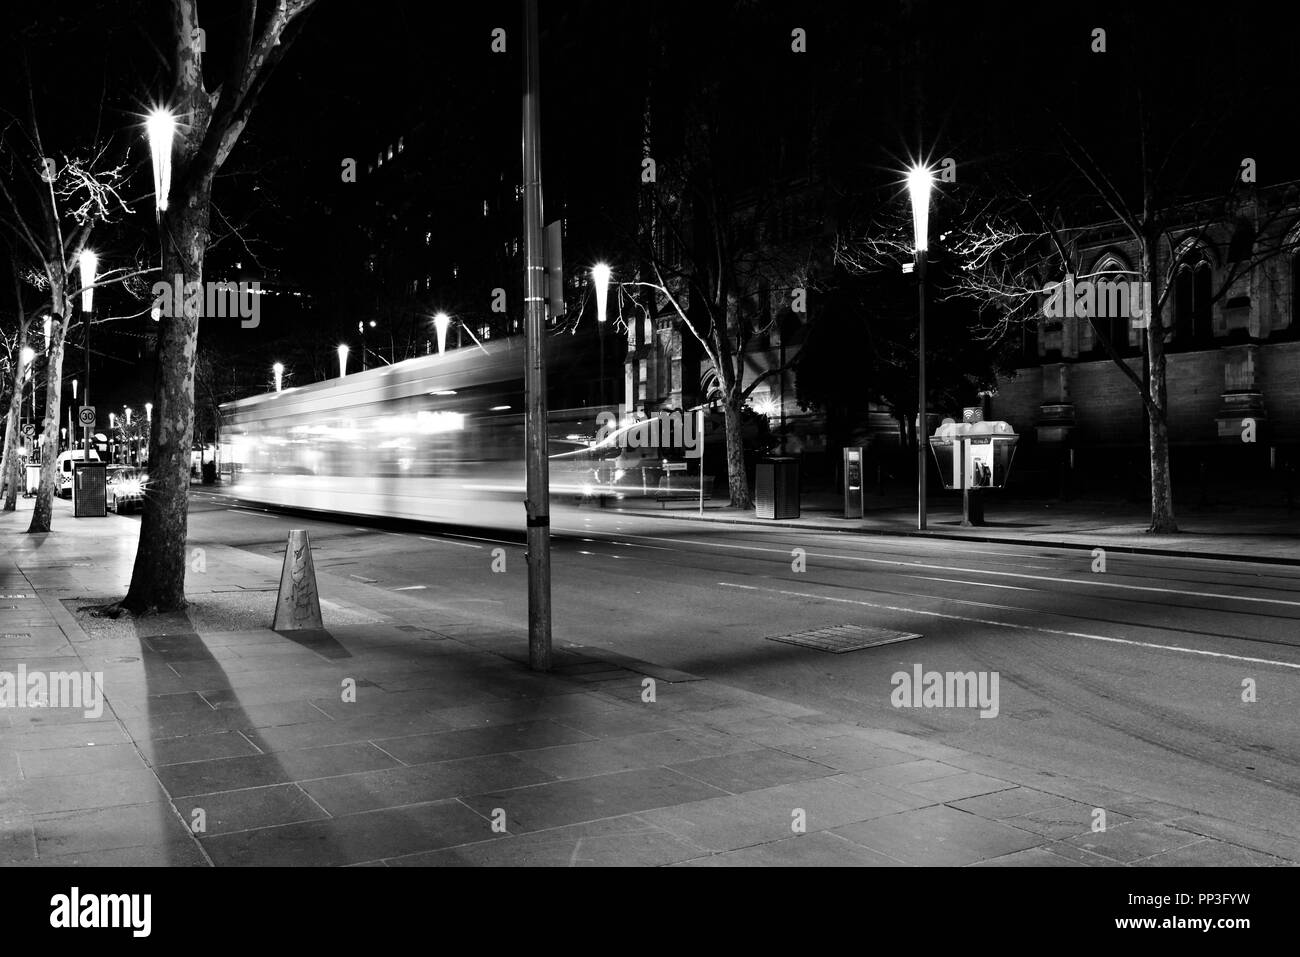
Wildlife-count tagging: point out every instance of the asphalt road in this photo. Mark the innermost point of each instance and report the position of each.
(1132, 678)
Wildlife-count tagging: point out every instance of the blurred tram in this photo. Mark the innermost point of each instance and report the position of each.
(435, 438)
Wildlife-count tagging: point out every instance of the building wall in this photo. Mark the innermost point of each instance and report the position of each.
(1108, 410)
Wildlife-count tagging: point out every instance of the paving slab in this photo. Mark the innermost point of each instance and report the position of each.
(590, 798)
(939, 836)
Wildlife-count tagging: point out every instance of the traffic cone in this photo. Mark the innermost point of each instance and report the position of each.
(297, 607)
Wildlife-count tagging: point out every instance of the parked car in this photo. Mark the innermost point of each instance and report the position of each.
(125, 488)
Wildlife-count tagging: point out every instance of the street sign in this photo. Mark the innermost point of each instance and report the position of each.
(675, 466)
(29, 429)
(87, 416)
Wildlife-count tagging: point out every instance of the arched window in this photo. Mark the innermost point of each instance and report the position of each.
(1202, 317)
(1295, 290)
(1114, 318)
(1193, 289)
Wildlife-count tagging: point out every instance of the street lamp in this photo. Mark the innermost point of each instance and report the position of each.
(441, 322)
(29, 364)
(920, 180)
(148, 413)
(88, 262)
(278, 369)
(160, 127)
(343, 361)
(600, 276)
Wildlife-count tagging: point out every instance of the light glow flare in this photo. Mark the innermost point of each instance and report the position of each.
(600, 274)
(89, 263)
(441, 322)
(920, 180)
(343, 361)
(278, 369)
(161, 129)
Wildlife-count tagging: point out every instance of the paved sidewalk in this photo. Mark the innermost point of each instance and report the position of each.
(1234, 533)
(224, 743)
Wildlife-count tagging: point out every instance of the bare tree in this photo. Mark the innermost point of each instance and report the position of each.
(210, 122)
(49, 206)
(17, 347)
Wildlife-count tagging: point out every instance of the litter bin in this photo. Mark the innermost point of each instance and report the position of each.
(89, 490)
(776, 492)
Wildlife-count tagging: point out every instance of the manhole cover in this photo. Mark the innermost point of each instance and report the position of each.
(838, 639)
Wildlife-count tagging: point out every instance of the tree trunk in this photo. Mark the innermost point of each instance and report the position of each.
(12, 471)
(737, 479)
(1162, 496)
(158, 579)
(43, 514)
(11, 424)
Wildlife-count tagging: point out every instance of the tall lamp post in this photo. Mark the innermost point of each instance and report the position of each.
(29, 363)
(148, 424)
(920, 180)
(88, 263)
(600, 276)
(72, 436)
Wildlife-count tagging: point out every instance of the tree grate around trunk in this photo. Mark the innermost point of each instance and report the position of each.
(838, 639)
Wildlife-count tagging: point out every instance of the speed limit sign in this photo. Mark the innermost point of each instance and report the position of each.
(86, 416)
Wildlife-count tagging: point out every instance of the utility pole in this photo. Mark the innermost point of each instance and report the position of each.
(537, 502)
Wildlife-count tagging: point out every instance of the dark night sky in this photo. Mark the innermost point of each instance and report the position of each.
(882, 81)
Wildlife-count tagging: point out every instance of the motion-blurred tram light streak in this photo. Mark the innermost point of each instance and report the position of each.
(424, 439)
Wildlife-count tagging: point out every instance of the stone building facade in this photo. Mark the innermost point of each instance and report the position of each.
(1232, 343)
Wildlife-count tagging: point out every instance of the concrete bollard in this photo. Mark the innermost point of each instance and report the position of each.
(297, 607)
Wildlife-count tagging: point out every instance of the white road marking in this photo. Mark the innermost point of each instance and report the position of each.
(981, 571)
(959, 581)
(411, 588)
(443, 541)
(1007, 624)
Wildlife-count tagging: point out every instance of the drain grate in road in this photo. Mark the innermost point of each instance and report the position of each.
(837, 639)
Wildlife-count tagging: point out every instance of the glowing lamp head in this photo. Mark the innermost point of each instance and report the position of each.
(160, 126)
(920, 180)
(28, 355)
(148, 411)
(441, 323)
(89, 263)
(600, 274)
(343, 360)
(278, 369)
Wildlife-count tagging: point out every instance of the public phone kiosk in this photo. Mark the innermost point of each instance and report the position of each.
(973, 456)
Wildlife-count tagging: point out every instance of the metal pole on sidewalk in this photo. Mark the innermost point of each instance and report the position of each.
(699, 437)
(85, 393)
(920, 419)
(537, 501)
